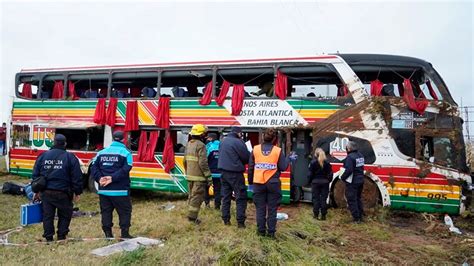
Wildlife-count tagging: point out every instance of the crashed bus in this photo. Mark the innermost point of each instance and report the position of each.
(397, 109)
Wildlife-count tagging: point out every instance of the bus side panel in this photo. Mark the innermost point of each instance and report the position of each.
(431, 194)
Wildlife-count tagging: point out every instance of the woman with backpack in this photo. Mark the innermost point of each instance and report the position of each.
(320, 175)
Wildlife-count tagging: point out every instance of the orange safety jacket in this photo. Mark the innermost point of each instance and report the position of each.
(265, 166)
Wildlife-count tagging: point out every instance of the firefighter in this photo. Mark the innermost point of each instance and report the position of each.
(212, 148)
(111, 169)
(233, 156)
(64, 184)
(265, 165)
(197, 171)
(353, 176)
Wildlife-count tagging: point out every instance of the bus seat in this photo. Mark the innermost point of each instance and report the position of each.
(91, 94)
(44, 95)
(388, 90)
(148, 92)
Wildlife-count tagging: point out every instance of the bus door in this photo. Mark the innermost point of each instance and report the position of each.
(302, 145)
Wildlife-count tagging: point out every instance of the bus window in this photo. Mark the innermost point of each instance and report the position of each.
(21, 136)
(91, 139)
(315, 90)
(33, 90)
(438, 150)
(181, 83)
(258, 82)
(134, 84)
(90, 86)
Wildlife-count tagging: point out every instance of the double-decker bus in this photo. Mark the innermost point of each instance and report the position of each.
(397, 109)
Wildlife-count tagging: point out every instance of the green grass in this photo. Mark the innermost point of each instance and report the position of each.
(301, 240)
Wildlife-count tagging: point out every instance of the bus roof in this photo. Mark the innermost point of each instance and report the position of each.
(351, 59)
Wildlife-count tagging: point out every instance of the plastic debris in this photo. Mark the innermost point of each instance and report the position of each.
(167, 207)
(282, 216)
(449, 222)
(127, 245)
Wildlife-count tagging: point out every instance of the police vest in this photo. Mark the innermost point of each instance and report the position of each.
(265, 166)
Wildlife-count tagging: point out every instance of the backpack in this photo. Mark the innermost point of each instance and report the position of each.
(13, 188)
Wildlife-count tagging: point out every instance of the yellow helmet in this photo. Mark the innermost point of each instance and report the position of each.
(198, 130)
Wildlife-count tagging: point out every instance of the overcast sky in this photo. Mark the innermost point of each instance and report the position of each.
(74, 34)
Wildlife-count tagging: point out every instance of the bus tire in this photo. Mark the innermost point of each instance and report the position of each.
(297, 193)
(92, 184)
(371, 196)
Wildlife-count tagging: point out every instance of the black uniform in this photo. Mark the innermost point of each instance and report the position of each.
(233, 156)
(354, 165)
(267, 197)
(63, 181)
(320, 178)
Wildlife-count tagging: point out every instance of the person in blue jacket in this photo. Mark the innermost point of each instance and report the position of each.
(64, 184)
(111, 169)
(212, 148)
(233, 156)
(353, 177)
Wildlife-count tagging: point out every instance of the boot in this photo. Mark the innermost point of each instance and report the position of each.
(241, 225)
(194, 220)
(108, 233)
(125, 234)
(323, 217)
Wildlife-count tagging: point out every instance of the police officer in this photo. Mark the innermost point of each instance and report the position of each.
(111, 169)
(265, 165)
(212, 147)
(233, 156)
(64, 183)
(353, 177)
(197, 171)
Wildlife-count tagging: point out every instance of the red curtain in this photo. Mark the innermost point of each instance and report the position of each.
(281, 85)
(207, 96)
(142, 143)
(432, 91)
(26, 92)
(413, 104)
(224, 90)
(58, 90)
(168, 153)
(99, 116)
(72, 90)
(135, 92)
(238, 95)
(152, 141)
(376, 87)
(111, 112)
(131, 117)
(163, 113)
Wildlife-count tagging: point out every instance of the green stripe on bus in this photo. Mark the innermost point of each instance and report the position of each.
(426, 200)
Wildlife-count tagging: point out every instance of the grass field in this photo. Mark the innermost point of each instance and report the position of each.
(386, 237)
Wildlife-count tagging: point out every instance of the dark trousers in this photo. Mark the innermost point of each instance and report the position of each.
(122, 204)
(52, 201)
(354, 200)
(216, 184)
(320, 193)
(267, 197)
(233, 182)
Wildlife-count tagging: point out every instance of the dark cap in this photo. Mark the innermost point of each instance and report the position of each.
(212, 135)
(236, 130)
(59, 139)
(118, 135)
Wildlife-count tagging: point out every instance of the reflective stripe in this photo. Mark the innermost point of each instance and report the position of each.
(191, 158)
(265, 165)
(216, 175)
(113, 192)
(195, 178)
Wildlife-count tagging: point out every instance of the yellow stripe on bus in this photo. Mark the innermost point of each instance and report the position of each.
(453, 189)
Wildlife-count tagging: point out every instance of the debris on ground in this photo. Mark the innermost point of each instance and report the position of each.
(282, 216)
(167, 207)
(127, 245)
(449, 222)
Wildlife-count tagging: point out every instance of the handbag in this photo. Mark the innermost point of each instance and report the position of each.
(39, 184)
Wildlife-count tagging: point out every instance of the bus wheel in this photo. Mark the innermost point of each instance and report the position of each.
(93, 186)
(370, 195)
(297, 193)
